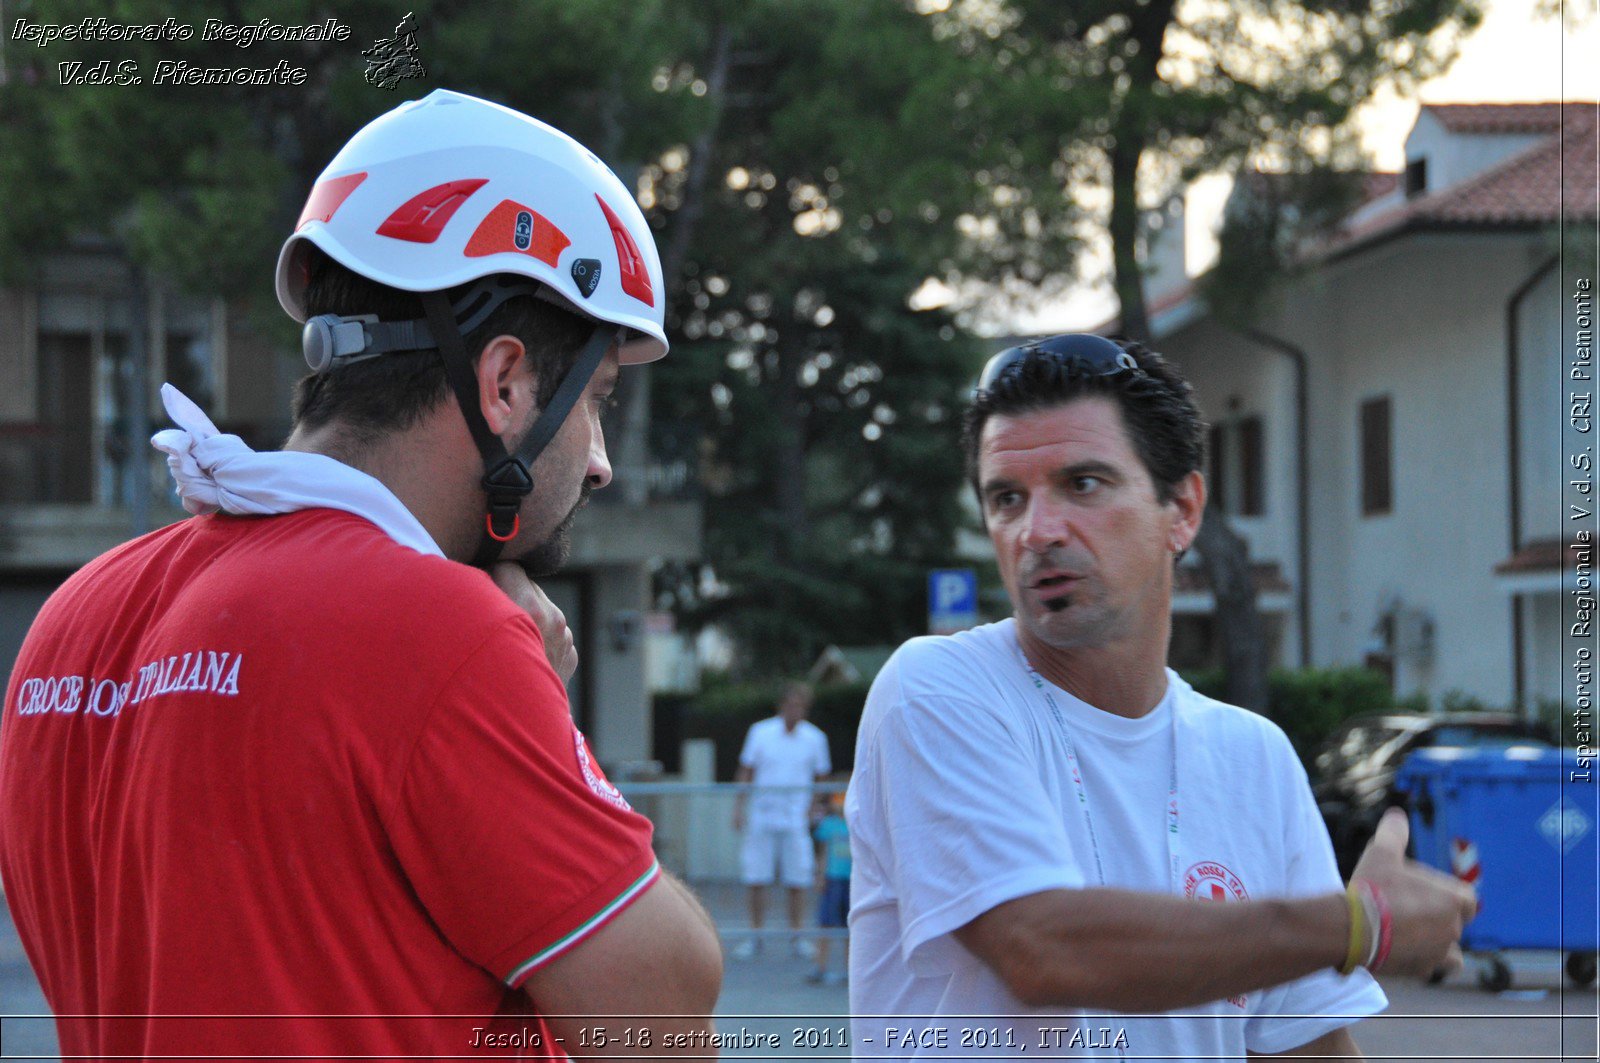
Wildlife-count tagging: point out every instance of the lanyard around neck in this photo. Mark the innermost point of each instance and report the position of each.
(1174, 883)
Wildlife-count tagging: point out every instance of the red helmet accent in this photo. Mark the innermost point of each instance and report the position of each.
(328, 196)
(498, 232)
(631, 268)
(422, 218)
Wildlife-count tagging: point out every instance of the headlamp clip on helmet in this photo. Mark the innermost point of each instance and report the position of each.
(331, 341)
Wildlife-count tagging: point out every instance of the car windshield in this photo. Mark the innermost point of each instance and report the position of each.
(1477, 736)
(1496, 738)
(1359, 741)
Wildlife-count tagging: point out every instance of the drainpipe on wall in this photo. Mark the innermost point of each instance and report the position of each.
(1302, 523)
(1514, 465)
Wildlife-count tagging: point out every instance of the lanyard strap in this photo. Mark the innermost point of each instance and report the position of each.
(1076, 771)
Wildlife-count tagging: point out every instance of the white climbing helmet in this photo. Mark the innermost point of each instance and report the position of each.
(451, 188)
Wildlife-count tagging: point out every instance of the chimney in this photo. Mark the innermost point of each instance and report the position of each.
(1164, 250)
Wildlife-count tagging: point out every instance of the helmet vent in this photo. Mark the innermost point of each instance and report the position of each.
(633, 273)
(422, 218)
(328, 197)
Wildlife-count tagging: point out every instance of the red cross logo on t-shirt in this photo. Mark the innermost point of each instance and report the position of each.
(1211, 881)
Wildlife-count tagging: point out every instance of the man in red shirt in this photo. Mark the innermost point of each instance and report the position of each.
(291, 779)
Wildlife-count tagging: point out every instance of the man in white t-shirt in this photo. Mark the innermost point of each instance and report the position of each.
(1038, 805)
(782, 757)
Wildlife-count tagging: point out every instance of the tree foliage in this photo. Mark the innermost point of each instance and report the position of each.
(1170, 90)
(826, 404)
(807, 164)
(201, 182)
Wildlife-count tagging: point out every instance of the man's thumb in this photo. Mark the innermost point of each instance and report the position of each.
(1394, 829)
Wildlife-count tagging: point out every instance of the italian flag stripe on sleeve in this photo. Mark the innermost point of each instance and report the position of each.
(539, 959)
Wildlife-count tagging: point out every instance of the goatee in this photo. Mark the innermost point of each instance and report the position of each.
(548, 557)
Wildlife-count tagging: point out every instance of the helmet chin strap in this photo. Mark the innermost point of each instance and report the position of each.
(506, 477)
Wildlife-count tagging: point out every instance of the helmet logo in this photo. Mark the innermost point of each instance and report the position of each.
(586, 272)
(517, 228)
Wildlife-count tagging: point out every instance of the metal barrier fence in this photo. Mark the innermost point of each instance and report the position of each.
(697, 840)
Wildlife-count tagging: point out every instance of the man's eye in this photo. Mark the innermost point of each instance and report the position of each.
(1084, 485)
(1003, 499)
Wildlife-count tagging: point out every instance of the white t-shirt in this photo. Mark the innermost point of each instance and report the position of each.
(784, 764)
(962, 799)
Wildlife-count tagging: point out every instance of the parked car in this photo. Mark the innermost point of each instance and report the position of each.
(1354, 771)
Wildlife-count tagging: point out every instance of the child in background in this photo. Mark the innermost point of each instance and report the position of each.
(833, 868)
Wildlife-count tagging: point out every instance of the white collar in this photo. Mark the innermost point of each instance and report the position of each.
(215, 471)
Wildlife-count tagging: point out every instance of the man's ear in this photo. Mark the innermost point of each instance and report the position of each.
(507, 386)
(1189, 504)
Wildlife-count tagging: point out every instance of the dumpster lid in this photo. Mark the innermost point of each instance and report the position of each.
(1440, 763)
(1519, 761)
(1429, 762)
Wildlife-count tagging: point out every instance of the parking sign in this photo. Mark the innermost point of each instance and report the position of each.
(952, 600)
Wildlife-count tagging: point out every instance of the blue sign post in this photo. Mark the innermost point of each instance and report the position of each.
(952, 600)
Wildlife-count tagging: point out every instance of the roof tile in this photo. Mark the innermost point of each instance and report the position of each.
(1552, 181)
(1497, 117)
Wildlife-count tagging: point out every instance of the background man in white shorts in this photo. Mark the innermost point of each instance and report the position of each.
(782, 756)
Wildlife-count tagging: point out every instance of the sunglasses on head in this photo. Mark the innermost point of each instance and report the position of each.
(1088, 354)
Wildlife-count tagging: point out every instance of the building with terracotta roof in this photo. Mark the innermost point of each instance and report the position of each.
(1394, 435)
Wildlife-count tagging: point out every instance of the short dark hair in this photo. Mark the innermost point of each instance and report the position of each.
(1157, 405)
(390, 393)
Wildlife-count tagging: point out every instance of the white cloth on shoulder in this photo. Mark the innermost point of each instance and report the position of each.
(216, 471)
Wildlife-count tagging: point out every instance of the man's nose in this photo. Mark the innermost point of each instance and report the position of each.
(599, 473)
(1047, 525)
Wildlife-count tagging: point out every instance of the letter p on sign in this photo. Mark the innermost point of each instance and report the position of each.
(952, 600)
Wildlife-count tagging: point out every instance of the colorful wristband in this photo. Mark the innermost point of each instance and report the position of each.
(1358, 935)
(1385, 929)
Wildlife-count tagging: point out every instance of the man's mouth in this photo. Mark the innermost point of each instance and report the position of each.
(1054, 589)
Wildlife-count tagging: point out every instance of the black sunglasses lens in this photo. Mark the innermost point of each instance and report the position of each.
(1099, 355)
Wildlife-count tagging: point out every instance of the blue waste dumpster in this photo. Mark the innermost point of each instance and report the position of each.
(1521, 823)
(1420, 779)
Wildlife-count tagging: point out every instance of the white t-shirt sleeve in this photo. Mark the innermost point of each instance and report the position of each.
(1301, 1011)
(747, 755)
(967, 820)
(824, 758)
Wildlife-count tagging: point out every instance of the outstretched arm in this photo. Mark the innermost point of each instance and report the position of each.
(1144, 952)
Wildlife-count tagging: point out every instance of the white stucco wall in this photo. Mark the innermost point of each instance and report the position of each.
(1540, 386)
(1542, 648)
(1235, 378)
(1423, 322)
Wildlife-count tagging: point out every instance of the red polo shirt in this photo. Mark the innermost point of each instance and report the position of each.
(304, 787)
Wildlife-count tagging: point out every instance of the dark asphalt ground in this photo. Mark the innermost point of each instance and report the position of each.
(1455, 1021)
